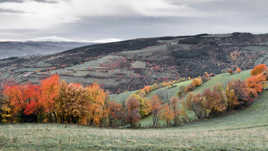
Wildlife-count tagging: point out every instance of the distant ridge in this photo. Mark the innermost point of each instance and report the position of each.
(132, 64)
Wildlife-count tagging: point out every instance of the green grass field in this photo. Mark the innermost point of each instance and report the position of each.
(245, 130)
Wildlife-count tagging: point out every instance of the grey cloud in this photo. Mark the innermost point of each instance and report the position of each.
(11, 1)
(46, 1)
(227, 16)
(21, 1)
(10, 11)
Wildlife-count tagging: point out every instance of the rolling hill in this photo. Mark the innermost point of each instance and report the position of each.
(33, 48)
(245, 130)
(132, 64)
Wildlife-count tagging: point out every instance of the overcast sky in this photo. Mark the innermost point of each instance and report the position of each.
(109, 20)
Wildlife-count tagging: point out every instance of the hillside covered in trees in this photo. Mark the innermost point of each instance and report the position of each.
(133, 64)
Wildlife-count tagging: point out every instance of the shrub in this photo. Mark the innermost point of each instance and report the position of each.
(195, 83)
(258, 69)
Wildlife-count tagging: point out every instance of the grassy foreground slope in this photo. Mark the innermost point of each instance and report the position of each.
(245, 130)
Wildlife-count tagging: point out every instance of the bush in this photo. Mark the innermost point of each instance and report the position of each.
(258, 69)
(196, 82)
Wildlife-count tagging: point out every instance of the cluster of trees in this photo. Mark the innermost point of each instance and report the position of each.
(57, 101)
(236, 95)
(54, 100)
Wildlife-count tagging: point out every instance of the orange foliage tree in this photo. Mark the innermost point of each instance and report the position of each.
(255, 84)
(133, 113)
(82, 105)
(156, 104)
(174, 105)
(258, 69)
(167, 114)
(238, 94)
(32, 100)
(238, 70)
(116, 113)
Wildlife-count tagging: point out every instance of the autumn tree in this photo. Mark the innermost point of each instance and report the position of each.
(167, 114)
(156, 104)
(238, 70)
(116, 113)
(50, 88)
(133, 111)
(238, 94)
(82, 105)
(258, 69)
(255, 84)
(145, 108)
(197, 82)
(174, 105)
(230, 70)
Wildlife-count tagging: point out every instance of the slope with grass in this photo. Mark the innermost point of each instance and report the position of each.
(245, 130)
